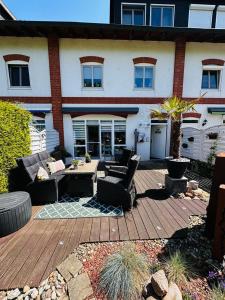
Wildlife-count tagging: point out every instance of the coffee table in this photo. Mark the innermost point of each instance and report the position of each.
(81, 181)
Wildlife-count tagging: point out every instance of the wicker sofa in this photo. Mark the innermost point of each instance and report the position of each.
(45, 191)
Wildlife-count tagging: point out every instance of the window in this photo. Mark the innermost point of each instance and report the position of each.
(200, 16)
(92, 76)
(133, 16)
(210, 79)
(79, 132)
(38, 124)
(19, 75)
(143, 77)
(162, 16)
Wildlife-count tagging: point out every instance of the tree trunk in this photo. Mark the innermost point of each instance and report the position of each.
(176, 138)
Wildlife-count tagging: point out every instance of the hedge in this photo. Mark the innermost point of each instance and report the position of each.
(14, 138)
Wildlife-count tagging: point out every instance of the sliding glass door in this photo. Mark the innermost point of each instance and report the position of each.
(100, 138)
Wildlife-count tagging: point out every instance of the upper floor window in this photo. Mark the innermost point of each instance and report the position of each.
(211, 79)
(162, 16)
(19, 75)
(38, 124)
(200, 16)
(133, 15)
(92, 76)
(143, 77)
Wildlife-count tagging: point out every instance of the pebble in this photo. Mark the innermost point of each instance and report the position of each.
(54, 296)
(34, 293)
(13, 294)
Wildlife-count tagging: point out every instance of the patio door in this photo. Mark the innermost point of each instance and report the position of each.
(93, 138)
(158, 141)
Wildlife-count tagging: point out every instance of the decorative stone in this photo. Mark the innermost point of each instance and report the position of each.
(34, 293)
(13, 294)
(193, 184)
(174, 185)
(152, 298)
(160, 283)
(41, 290)
(26, 289)
(54, 295)
(80, 287)
(18, 298)
(70, 267)
(47, 287)
(174, 293)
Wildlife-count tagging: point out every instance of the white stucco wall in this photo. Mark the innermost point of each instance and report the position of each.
(118, 70)
(37, 50)
(195, 53)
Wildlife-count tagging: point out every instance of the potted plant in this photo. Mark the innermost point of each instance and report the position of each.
(75, 163)
(212, 135)
(87, 158)
(173, 108)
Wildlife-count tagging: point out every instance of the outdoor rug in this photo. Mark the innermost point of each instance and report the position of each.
(72, 208)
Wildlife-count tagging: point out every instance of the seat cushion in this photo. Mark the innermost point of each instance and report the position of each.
(30, 164)
(58, 176)
(111, 179)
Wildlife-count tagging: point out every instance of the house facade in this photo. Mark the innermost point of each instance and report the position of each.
(96, 84)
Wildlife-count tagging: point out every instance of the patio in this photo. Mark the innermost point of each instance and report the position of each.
(28, 256)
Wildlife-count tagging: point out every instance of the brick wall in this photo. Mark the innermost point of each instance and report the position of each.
(180, 47)
(55, 81)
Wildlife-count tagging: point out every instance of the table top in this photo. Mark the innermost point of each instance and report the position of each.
(86, 168)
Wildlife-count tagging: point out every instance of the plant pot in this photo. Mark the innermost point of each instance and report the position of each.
(177, 167)
(87, 160)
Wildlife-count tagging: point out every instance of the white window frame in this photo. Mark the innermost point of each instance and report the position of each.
(144, 5)
(153, 79)
(100, 136)
(201, 8)
(162, 5)
(92, 65)
(17, 62)
(36, 119)
(212, 68)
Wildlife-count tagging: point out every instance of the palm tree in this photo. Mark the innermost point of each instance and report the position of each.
(172, 109)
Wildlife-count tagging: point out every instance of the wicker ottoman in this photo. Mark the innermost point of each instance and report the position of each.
(15, 211)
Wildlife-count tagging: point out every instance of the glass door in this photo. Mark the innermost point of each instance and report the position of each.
(106, 138)
(93, 142)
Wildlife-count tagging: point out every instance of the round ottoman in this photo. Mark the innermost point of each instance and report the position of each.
(15, 211)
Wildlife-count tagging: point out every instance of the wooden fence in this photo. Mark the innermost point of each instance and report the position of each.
(199, 142)
(44, 140)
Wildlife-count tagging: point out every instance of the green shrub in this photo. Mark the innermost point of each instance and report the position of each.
(217, 294)
(178, 269)
(124, 274)
(14, 138)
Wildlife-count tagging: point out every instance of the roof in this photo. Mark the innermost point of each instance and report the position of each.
(7, 11)
(108, 31)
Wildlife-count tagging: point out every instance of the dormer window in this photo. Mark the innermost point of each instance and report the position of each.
(200, 16)
(162, 15)
(92, 72)
(133, 15)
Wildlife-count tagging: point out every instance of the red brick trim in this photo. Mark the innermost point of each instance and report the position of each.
(209, 100)
(21, 57)
(55, 81)
(213, 61)
(178, 78)
(111, 100)
(145, 60)
(91, 59)
(192, 115)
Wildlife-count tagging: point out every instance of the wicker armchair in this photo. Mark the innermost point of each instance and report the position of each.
(120, 189)
(122, 161)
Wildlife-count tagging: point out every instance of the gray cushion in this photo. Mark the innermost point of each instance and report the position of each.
(30, 164)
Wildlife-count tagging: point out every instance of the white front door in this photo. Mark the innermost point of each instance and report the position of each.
(158, 141)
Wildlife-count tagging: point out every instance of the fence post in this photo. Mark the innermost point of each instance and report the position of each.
(218, 179)
(219, 235)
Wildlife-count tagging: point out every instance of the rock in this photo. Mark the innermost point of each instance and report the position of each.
(187, 198)
(174, 293)
(34, 293)
(19, 298)
(80, 287)
(54, 296)
(13, 294)
(40, 290)
(189, 195)
(47, 287)
(160, 283)
(26, 289)
(38, 297)
(26, 298)
(193, 184)
(48, 294)
(70, 267)
(152, 298)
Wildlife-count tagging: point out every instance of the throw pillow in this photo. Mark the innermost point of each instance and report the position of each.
(42, 174)
(56, 166)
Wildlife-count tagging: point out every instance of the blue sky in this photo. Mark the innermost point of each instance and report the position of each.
(96, 11)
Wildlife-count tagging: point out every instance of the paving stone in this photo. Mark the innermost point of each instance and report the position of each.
(80, 287)
(70, 267)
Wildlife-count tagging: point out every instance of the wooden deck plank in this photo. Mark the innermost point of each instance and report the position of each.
(113, 229)
(29, 255)
(104, 229)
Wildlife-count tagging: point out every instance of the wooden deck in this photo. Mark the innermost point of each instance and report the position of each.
(29, 255)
